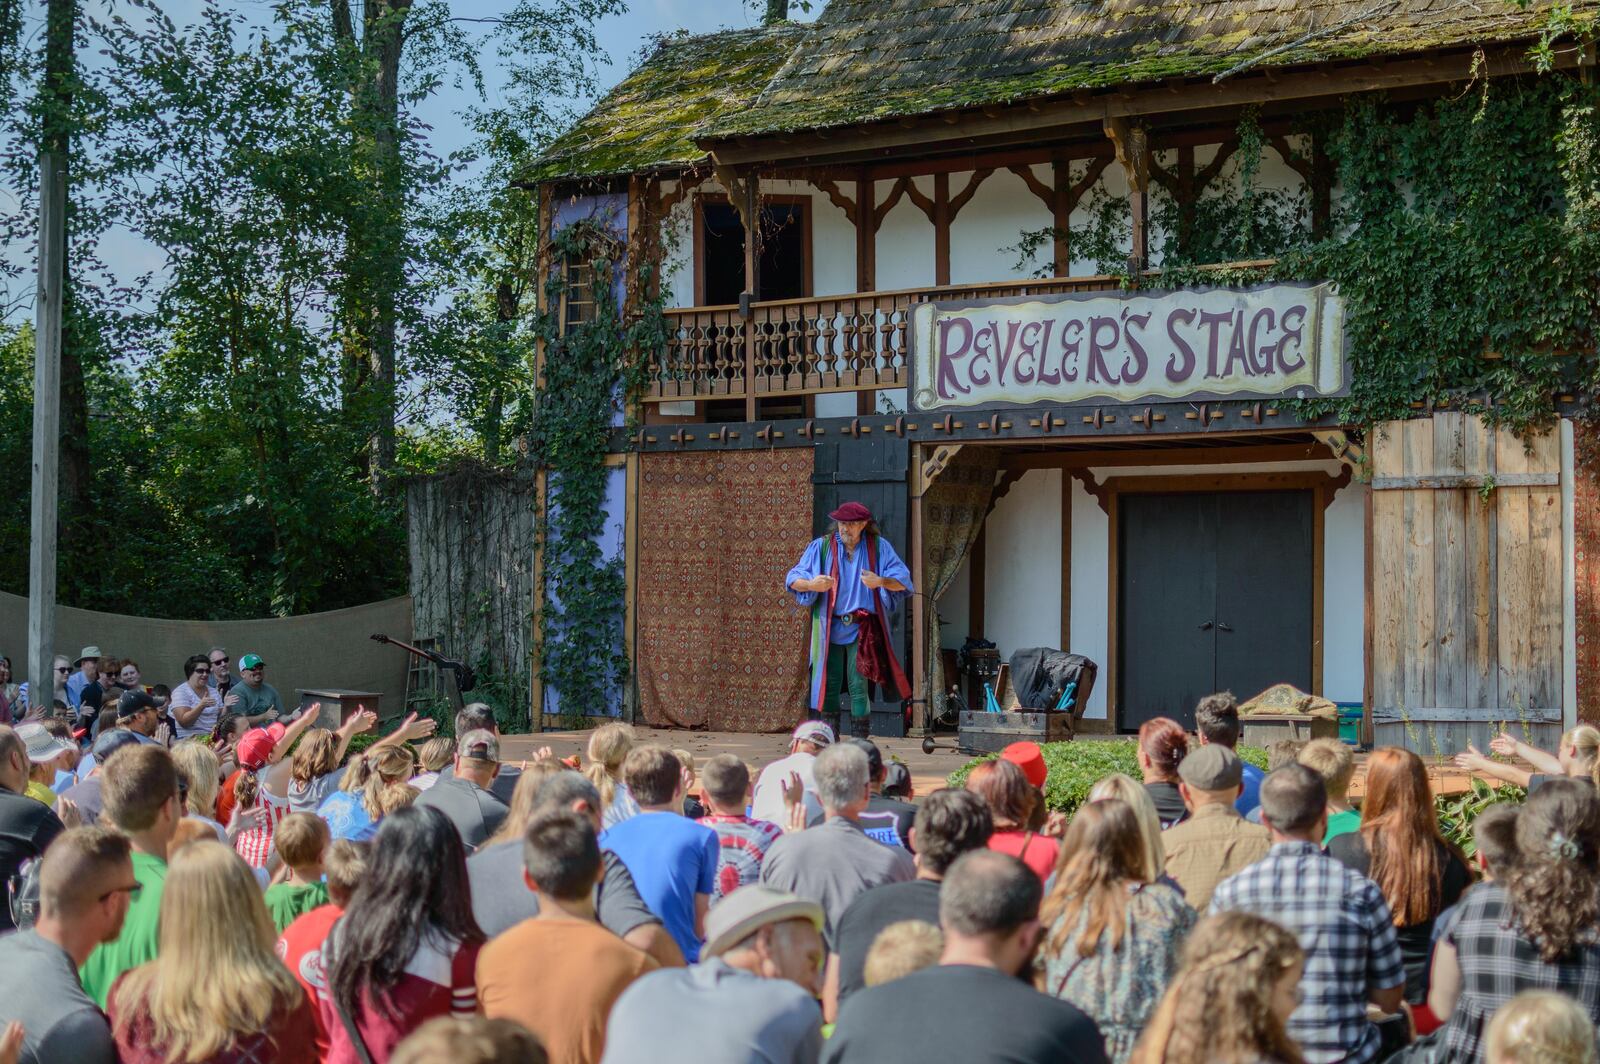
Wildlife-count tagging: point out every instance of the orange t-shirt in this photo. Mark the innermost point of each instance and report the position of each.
(559, 978)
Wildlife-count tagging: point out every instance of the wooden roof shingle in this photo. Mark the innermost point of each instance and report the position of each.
(866, 60)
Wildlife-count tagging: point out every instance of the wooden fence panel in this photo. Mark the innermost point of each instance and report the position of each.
(1467, 576)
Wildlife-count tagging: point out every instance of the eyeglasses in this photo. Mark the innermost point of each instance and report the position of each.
(201, 671)
(131, 891)
(63, 668)
(219, 661)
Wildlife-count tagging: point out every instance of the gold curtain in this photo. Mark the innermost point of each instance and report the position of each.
(953, 511)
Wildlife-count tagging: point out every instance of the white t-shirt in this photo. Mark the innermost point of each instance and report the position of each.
(622, 807)
(766, 803)
(184, 697)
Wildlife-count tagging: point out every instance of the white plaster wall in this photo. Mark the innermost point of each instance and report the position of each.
(1344, 596)
(1113, 182)
(984, 236)
(677, 245)
(1022, 606)
(905, 240)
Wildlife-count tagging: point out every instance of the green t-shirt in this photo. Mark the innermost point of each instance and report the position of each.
(138, 941)
(254, 701)
(1342, 824)
(285, 901)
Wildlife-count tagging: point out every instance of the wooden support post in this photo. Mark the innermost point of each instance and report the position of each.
(941, 229)
(866, 261)
(46, 428)
(1061, 216)
(1133, 152)
(752, 285)
(920, 602)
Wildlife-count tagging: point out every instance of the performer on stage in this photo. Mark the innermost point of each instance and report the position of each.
(851, 578)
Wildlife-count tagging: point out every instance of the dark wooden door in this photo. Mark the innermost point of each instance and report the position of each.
(871, 471)
(1215, 593)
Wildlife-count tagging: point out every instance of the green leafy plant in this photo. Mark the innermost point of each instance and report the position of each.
(1075, 767)
(592, 368)
(1458, 811)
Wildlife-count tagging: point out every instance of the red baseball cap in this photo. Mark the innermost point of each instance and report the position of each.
(256, 746)
(1030, 759)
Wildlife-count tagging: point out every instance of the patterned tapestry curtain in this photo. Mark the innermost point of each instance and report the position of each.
(952, 515)
(720, 641)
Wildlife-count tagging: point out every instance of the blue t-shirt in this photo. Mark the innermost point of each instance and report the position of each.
(672, 859)
(347, 818)
(1250, 797)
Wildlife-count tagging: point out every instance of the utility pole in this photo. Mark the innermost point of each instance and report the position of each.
(46, 427)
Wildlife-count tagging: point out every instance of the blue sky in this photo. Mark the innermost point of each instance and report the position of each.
(621, 38)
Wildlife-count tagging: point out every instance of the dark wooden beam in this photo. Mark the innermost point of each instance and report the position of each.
(1162, 456)
(941, 228)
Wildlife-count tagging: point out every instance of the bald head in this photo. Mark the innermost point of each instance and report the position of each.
(79, 868)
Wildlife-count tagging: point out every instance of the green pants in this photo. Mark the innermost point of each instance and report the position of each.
(841, 674)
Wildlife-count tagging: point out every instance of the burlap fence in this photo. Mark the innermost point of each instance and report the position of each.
(318, 650)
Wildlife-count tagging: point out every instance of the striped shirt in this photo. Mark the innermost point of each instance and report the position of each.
(744, 843)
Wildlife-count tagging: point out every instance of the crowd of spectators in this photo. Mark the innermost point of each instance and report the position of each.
(211, 878)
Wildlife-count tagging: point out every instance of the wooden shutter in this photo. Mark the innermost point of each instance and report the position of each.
(1466, 568)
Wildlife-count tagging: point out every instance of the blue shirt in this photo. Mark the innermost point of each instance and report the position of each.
(853, 594)
(1250, 797)
(75, 685)
(347, 818)
(672, 859)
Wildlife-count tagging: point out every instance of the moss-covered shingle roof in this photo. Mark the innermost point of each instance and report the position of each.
(868, 60)
(873, 59)
(648, 120)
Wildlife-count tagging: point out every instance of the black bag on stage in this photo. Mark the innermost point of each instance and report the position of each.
(1040, 674)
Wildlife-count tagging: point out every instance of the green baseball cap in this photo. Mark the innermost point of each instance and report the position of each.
(251, 661)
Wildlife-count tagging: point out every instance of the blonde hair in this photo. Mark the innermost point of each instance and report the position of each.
(436, 753)
(370, 772)
(609, 747)
(200, 767)
(1218, 1007)
(523, 801)
(216, 978)
(902, 948)
(470, 1040)
(1584, 742)
(392, 796)
(316, 755)
(1333, 761)
(1127, 789)
(301, 839)
(686, 759)
(1539, 1026)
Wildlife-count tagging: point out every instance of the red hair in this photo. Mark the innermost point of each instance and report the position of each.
(1165, 743)
(1005, 790)
(1401, 832)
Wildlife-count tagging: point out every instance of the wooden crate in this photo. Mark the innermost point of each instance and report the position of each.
(988, 733)
(1264, 728)
(338, 704)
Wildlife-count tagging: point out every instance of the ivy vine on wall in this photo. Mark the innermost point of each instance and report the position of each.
(591, 370)
(1465, 241)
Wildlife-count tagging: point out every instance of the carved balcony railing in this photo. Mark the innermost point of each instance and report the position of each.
(840, 343)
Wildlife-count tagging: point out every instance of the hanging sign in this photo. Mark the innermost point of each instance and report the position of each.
(1269, 342)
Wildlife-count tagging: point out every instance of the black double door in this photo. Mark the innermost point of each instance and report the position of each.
(1215, 593)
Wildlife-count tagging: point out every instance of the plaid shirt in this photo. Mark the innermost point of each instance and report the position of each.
(1347, 932)
(1498, 962)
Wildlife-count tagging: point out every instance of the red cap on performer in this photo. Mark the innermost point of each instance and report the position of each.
(851, 511)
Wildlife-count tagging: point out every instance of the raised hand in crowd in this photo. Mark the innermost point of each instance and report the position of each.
(11, 1043)
(71, 816)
